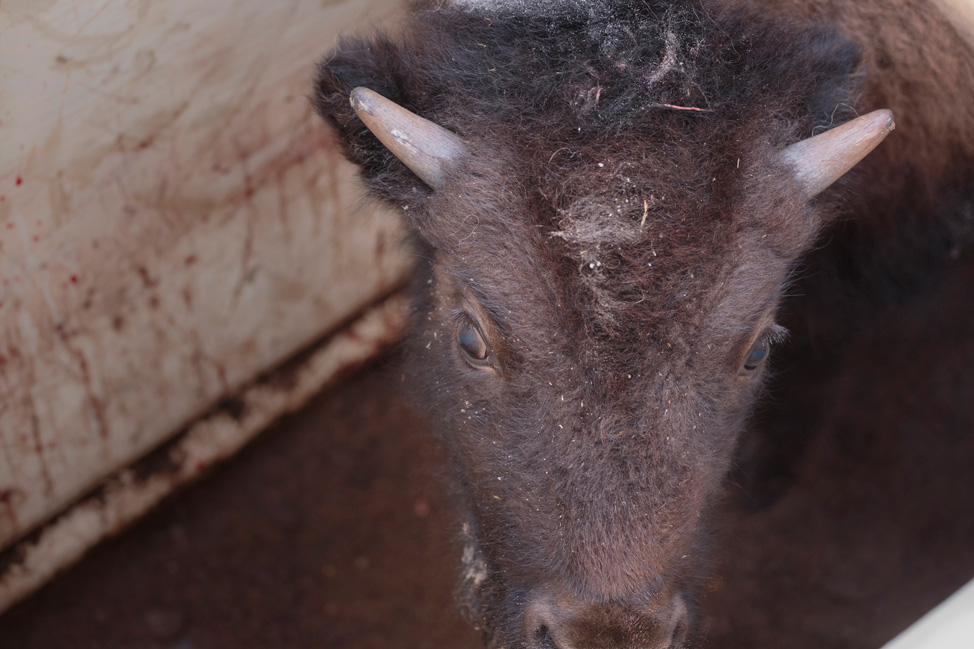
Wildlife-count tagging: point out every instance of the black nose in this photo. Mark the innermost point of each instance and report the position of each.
(559, 622)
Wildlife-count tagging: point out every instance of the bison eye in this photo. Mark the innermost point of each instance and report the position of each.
(758, 354)
(471, 342)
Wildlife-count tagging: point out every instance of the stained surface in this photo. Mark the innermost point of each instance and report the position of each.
(174, 220)
(334, 529)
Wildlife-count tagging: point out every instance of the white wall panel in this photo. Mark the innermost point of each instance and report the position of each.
(173, 221)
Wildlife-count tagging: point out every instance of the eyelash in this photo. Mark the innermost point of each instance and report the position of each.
(777, 334)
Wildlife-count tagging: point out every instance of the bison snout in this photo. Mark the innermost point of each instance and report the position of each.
(567, 623)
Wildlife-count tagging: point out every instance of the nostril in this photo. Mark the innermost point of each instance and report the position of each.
(543, 639)
(537, 625)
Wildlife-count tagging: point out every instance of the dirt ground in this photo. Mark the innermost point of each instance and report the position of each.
(334, 530)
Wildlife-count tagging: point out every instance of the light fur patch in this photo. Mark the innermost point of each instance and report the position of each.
(474, 568)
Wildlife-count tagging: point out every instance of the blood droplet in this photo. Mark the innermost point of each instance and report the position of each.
(74, 279)
(20, 181)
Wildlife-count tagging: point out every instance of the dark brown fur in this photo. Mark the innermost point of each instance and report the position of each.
(621, 255)
(907, 219)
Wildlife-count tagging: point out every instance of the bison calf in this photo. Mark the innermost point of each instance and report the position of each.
(608, 200)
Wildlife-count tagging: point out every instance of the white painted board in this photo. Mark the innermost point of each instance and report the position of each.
(949, 626)
(174, 220)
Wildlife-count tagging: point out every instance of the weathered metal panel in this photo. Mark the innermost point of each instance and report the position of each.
(173, 221)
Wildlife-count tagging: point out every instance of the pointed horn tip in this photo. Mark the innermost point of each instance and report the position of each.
(822, 159)
(878, 123)
(886, 114)
(362, 100)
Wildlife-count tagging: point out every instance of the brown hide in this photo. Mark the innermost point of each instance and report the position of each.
(600, 280)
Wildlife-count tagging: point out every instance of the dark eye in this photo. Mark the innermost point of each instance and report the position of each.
(758, 354)
(472, 342)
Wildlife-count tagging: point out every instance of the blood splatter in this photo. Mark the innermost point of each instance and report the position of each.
(74, 279)
(20, 181)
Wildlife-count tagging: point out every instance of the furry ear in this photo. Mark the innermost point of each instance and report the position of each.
(389, 70)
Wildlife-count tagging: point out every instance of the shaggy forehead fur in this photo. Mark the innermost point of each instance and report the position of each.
(537, 7)
(619, 137)
(623, 68)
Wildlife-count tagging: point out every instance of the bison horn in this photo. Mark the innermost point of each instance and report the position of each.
(821, 160)
(429, 150)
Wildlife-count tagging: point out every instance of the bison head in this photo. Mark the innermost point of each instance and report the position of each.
(607, 200)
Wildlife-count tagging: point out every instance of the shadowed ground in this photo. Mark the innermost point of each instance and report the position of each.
(334, 529)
